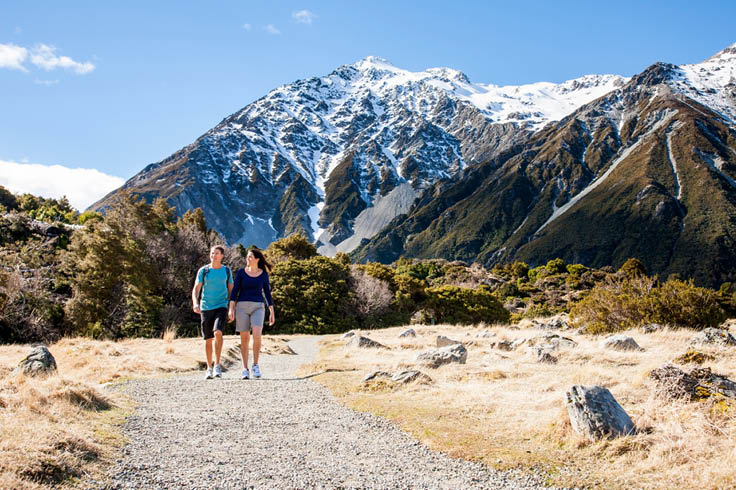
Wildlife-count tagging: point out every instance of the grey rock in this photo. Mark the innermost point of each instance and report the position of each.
(443, 341)
(595, 413)
(39, 361)
(410, 332)
(484, 334)
(620, 342)
(437, 357)
(553, 342)
(713, 336)
(349, 334)
(545, 357)
(364, 343)
(651, 328)
(410, 376)
(673, 382)
(376, 375)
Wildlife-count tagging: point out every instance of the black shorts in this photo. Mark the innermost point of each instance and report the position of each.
(213, 320)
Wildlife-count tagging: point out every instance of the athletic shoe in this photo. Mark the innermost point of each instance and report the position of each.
(218, 371)
(245, 374)
(208, 374)
(256, 371)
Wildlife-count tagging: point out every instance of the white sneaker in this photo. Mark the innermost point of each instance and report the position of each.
(208, 374)
(245, 374)
(256, 371)
(218, 371)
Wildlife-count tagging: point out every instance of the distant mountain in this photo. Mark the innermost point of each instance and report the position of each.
(647, 170)
(338, 157)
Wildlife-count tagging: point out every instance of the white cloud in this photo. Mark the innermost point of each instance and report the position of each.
(304, 16)
(44, 56)
(247, 27)
(12, 56)
(45, 83)
(82, 186)
(271, 29)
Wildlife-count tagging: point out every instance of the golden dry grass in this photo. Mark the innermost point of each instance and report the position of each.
(57, 430)
(507, 410)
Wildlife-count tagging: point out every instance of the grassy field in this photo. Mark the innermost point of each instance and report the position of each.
(57, 430)
(507, 410)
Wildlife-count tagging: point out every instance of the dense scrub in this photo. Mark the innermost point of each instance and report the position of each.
(130, 273)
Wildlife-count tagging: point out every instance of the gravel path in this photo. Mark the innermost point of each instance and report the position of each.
(277, 432)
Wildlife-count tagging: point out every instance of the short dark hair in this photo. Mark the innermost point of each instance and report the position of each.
(220, 248)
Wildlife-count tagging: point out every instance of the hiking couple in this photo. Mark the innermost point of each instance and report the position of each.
(224, 300)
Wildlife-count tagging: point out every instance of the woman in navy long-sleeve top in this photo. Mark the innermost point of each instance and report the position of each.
(250, 289)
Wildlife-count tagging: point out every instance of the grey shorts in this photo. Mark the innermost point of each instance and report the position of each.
(249, 314)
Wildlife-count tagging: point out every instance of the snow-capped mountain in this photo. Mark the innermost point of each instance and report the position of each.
(648, 170)
(339, 156)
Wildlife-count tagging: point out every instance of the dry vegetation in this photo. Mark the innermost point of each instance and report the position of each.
(507, 410)
(59, 429)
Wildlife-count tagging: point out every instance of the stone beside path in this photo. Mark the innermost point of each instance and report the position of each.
(277, 432)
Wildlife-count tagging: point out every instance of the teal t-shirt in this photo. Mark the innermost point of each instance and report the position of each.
(214, 290)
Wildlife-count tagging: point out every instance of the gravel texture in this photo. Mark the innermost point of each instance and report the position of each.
(276, 432)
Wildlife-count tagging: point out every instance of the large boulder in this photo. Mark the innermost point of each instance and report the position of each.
(620, 342)
(435, 358)
(38, 361)
(409, 332)
(713, 336)
(595, 413)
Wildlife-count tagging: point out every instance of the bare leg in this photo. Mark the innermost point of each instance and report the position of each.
(256, 343)
(244, 341)
(208, 352)
(218, 345)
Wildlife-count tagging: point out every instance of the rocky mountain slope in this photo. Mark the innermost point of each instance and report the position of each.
(647, 171)
(338, 157)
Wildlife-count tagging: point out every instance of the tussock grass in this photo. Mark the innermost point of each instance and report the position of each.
(507, 410)
(63, 428)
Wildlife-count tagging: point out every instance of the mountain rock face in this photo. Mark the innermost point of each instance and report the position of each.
(648, 170)
(338, 157)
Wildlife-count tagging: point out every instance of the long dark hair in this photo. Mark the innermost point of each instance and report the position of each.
(262, 262)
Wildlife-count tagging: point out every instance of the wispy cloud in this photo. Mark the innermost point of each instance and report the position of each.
(82, 186)
(247, 27)
(44, 56)
(304, 16)
(45, 83)
(271, 29)
(12, 56)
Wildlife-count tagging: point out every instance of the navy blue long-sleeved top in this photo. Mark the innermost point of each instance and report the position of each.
(248, 288)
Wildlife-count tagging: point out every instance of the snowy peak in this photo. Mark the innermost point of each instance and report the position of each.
(711, 83)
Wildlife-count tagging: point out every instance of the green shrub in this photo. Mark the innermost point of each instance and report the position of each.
(507, 289)
(312, 296)
(453, 304)
(519, 270)
(630, 301)
(633, 267)
(410, 292)
(380, 271)
(294, 246)
(556, 266)
(576, 269)
(419, 269)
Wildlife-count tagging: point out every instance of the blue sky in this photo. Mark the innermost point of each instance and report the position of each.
(114, 86)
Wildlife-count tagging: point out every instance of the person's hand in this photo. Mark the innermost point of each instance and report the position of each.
(230, 316)
(271, 319)
(195, 309)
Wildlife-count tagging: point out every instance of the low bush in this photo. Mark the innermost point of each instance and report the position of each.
(630, 301)
(312, 296)
(453, 304)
